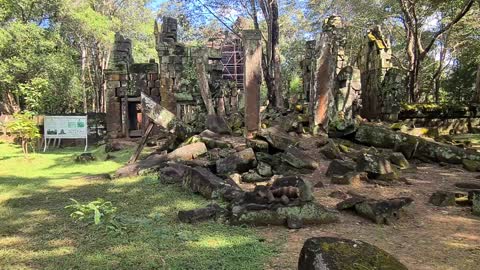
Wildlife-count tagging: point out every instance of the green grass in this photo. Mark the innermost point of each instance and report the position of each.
(36, 231)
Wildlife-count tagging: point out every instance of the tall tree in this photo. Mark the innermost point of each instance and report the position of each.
(417, 49)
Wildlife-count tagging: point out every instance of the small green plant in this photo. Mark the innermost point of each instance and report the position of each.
(25, 129)
(98, 212)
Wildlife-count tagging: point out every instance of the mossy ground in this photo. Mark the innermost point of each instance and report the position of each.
(36, 231)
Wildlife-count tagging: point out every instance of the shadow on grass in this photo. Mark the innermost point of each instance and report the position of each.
(41, 234)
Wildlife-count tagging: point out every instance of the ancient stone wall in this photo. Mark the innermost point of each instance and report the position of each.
(379, 82)
(125, 81)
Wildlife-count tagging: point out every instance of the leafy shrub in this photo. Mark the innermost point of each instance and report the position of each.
(98, 212)
(25, 129)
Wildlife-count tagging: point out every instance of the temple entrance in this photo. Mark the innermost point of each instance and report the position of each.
(135, 127)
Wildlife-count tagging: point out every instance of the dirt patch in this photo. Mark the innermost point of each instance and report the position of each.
(425, 238)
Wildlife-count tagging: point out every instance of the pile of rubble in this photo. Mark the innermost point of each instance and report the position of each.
(258, 178)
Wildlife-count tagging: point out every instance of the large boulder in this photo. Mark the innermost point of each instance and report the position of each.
(188, 152)
(240, 162)
(331, 253)
(340, 167)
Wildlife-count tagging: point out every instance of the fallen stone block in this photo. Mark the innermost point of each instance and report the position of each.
(304, 186)
(240, 162)
(331, 253)
(442, 198)
(340, 167)
(374, 165)
(202, 181)
(188, 152)
(382, 211)
(310, 213)
(217, 124)
(264, 169)
(351, 178)
(277, 139)
(399, 159)
(471, 165)
(150, 164)
(212, 211)
(331, 151)
(298, 159)
(474, 197)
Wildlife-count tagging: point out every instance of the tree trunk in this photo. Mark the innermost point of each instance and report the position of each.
(271, 60)
(477, 86)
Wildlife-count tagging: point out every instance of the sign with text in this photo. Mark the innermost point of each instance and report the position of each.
(65, 127)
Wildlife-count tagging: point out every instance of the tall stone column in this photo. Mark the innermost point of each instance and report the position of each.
(330, 60)
(252, 80)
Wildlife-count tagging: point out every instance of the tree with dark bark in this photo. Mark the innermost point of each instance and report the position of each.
(416, 49)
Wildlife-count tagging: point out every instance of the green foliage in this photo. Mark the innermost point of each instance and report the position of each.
(98, 212)
(24, 128)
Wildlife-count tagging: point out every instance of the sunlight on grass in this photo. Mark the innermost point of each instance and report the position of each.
(36, 231)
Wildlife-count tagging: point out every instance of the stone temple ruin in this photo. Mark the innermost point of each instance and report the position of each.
(222, 147)
(220, 63)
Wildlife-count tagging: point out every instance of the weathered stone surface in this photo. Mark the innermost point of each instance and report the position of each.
(467, 185)
(340, 167)
(298, 159)
(212, 211)
(351, 178)
(294, 222)
(277, 139)
(173, 174)
(382, 211)
(310, 213)
(240, 162)
(151, 163)
(442, 198)
(350, 202)
(114, 146)
(188, 152)
(331, 151)
(253, 177)
(304, 186)
(258, 145)
(330, 253)
(411, 146)
(374, 165)
(264, 169)
(202, 181)
(399, 159)
(471, 165)
(217, 124)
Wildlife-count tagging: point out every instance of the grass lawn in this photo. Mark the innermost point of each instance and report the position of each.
(36, 231)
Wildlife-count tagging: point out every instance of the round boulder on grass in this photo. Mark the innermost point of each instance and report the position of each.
(331, 253)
